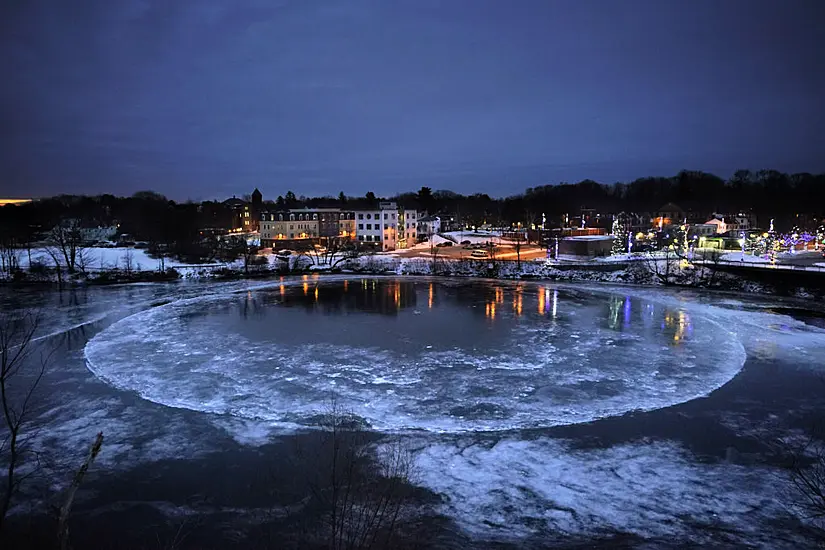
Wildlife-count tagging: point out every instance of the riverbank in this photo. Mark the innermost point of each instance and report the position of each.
(643, 270)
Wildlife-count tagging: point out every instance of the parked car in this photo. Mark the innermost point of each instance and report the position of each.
(466, 242)
(283, 254)
(479, 254)
(445, 243)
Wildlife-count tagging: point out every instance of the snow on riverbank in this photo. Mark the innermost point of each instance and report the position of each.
(740, 257)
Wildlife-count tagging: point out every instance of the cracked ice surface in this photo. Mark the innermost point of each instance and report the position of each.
(414, 355)
(654, 490)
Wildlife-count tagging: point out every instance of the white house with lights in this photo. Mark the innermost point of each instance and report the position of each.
(429, 226)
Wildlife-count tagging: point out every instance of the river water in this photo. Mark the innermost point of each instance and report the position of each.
(537, 412)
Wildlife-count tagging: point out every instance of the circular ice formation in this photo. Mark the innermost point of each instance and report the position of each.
(417, 355)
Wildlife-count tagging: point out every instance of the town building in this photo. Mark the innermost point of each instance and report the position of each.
(737, 222)
(428, 226)
(407, 228)
(585, 247)
(245, 216)
(386, 228)
(288, 228)
(667, 215)
(702, 230)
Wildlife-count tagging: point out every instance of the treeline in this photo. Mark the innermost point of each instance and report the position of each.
(151, 217)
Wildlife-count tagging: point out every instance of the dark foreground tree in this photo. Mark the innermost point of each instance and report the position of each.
(361, 486)
(20, 374)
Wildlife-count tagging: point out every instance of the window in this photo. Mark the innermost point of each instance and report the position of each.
(393, 226)
(292, 235)
(360, 216)
(360, 237)
(369, 216)
(280, 217)
(292, 217)
(369, 237)
(393, 216)
(369, 226)
(385, 215)
(314, 216)
(360, 226)
(291, 227)
(408, 226)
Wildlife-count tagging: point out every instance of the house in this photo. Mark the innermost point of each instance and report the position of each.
(736, 222)
(669, 214)
(428, 226)
(702, 230)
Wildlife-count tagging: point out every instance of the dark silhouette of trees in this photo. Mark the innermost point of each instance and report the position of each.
(18, 382)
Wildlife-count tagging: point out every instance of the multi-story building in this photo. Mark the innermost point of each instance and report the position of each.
(318, 225)
(346, 225)
(378, 227)
(386, 227)
(245, 215)
(286, 225)
(407, 228)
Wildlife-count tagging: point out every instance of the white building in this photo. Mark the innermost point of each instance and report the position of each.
(386, 227)
(724, 224)
(703, 230)
(378, 227)
(429, 226)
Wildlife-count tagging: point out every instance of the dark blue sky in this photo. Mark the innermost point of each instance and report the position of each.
(203, 99)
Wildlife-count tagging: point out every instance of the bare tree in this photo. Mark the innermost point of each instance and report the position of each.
(491, 249)
(65, 510)
(434, 250)
(662, 268)
(17, 386)
(518, 242)
(807, 476)
(128, 261)
(84, 260)
(332, 255)
(54, 254)
(9, 256)
(362, 488)
(66, 242)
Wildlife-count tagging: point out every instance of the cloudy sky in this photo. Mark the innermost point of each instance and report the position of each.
(208, 98)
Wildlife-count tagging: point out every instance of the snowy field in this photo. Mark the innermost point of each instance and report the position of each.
(534, 410)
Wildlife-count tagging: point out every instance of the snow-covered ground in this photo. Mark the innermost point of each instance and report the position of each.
(137, 259)
(740, 257)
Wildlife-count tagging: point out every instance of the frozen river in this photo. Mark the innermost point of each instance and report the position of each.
(535, 410)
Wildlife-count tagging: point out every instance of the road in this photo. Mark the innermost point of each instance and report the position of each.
(457, 252)
(807, 258)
